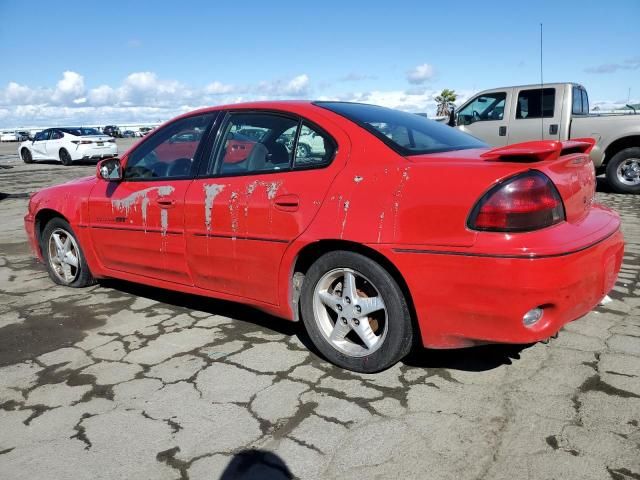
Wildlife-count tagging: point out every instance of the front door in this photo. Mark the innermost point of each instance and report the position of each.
(486, 117)
(54, 144)
(256, 197)
(39, 145)
(137, 225)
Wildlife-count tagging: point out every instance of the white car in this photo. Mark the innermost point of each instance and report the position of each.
(68, 145)
(9, 136)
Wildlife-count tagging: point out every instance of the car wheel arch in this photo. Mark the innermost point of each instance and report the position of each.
(620, 144)
(310, 252)
(42, 218)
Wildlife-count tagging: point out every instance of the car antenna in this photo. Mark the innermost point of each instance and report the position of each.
(541, 91)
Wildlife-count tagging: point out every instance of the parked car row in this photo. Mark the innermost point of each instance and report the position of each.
(14, 136)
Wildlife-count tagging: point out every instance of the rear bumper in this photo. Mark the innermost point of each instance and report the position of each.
(88, 153)
(464, 300)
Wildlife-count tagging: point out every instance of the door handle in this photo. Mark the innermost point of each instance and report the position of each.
(502, 131)
(165, 202)
(553, 129)
(287, 203)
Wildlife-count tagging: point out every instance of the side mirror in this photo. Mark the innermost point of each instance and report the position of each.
(109, 170)
(452, 117)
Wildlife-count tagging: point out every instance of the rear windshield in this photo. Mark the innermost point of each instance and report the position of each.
(80, 131)
(406, 133)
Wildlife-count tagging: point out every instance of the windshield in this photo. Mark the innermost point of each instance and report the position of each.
(78, 132)
(406, 133)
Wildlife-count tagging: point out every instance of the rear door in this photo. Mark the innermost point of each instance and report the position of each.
(54, 144)
(137, 225)
(486, 117)
(537, 114)
(251, 203)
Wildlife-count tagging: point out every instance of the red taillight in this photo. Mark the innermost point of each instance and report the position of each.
(81, 142)
(528, 201)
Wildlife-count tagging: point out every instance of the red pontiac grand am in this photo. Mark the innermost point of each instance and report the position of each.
(378, 228)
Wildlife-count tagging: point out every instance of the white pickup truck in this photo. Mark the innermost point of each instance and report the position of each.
(558, 111)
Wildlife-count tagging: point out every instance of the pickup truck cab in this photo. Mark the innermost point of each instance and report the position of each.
(557, 111)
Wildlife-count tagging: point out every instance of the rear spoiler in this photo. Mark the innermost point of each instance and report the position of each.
(539, 151)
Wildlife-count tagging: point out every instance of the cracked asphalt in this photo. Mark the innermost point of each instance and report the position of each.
(125, 381)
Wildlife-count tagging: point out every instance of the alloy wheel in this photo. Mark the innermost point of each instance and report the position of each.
(64, 255)
(350, 312)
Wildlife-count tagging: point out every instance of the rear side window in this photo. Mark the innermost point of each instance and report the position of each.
(314, 148)
(405, 133)
(536, 103)
(585, 102)
(253, 143)
(56, 135)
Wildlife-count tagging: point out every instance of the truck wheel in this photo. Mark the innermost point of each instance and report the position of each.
(65, 158)
(623, 171)
(355, 313)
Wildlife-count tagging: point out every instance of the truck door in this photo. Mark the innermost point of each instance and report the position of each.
(537, 115)
(485, 117)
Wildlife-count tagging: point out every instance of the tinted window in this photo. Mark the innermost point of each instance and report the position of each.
(254, 142)
(81, 131)
(576, 107)
(170, 152)
(56, 135)
(44, 135)
(534, 104)
(406, 133)
(313, 148)
(585, 102)
(489, 106)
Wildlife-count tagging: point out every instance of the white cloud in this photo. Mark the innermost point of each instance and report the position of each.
(296, 87)
(219, 88)
(420, 74)
(69, 88)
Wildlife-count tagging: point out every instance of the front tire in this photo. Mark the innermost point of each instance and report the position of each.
(623, 171)
(355, 313)
(65, 158)
(26, 156)
(63, 256)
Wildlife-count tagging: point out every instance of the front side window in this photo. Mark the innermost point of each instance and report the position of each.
(405, 133)
(486, 107)
(170, 152)
(254, 142)
(41, 136)
(537, 103)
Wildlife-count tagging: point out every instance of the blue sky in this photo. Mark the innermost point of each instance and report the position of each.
(131, 61)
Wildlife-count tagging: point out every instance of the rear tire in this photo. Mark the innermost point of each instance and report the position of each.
(63, 256)
(65, 158)
(355, 313)
(26, 156)
(623, 171)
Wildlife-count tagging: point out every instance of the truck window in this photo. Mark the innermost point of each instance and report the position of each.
(531, 105)
(489, 106)
(585, 102)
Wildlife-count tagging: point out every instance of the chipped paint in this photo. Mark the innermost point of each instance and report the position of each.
(130, 202)
(358, 178)
(211, 191)
(404, 178)
(233, 212)
(345, 209)
(380, 224)
(164, 221)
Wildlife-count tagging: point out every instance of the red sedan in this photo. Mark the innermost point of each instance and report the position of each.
(394, 230)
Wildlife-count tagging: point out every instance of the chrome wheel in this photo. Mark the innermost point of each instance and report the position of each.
(350, 312)
(64, 255)
(628, 171)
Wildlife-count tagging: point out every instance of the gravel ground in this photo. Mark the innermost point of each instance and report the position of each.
(125, 381)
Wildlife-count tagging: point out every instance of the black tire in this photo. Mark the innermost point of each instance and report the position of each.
(65, 158)
(26, 156)
(395, 343)
(82, 275)
(303, 150)
(616, 168)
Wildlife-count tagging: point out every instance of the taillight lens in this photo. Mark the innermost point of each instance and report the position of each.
(528, 201)
(82, 142)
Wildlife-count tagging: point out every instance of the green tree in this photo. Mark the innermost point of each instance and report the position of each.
(445, 102)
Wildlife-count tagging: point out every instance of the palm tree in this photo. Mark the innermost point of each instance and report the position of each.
(445, 102)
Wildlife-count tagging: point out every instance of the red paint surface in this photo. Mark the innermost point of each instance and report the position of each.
(466, 286)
